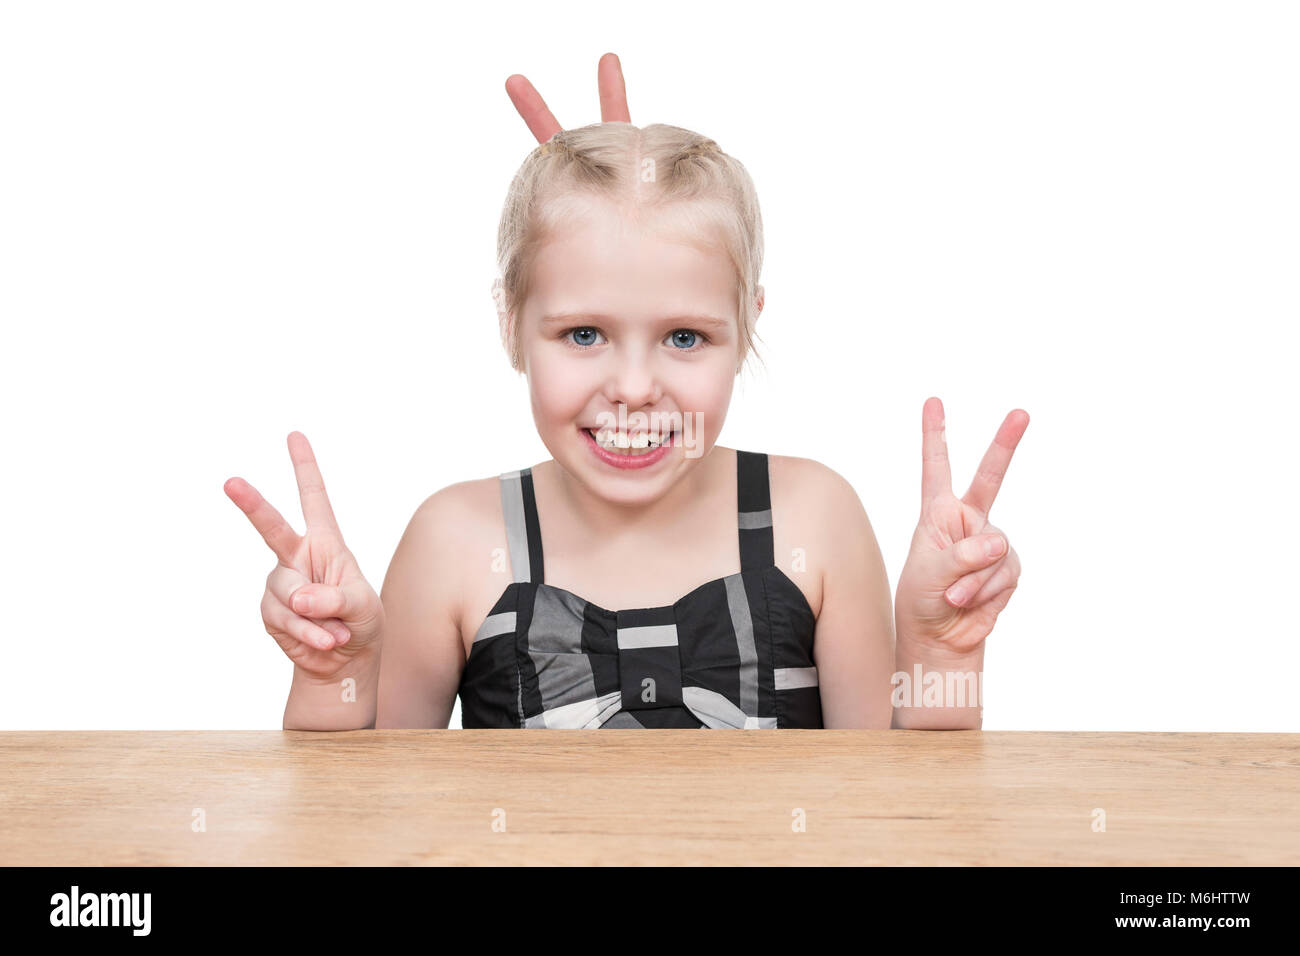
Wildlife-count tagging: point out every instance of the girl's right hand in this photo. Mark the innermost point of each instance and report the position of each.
(318, 606)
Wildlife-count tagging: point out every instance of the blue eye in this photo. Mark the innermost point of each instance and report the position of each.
(684, 340)
(582, 333)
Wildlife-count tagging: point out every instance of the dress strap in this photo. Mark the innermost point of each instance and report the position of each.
(523, 533)
(754, 510)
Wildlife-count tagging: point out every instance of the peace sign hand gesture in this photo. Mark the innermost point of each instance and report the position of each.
(541, 121)
(961, 570)
(318, 606)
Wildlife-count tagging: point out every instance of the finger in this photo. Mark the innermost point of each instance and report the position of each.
(995, 595)
(325, 601)
(613, 91)
(967, 586)
(530, 105)
(936, 475)
(1005, 578)
(280, 620)
(316, 508)
(993, 466)
(971, 556)
(270, 524)
(336, 628)
(998, 602)
(283, 583)
(971, 589)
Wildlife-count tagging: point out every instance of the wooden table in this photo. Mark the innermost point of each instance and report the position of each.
(638, 796)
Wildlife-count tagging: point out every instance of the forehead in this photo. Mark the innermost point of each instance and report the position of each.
(604, 259)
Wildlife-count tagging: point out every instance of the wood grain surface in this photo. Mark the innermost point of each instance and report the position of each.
(378, 797)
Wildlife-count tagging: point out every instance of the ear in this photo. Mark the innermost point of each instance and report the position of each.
(758, 295)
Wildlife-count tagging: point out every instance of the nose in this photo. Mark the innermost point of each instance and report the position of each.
(633, 382)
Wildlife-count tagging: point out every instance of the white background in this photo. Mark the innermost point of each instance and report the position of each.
(222, 222)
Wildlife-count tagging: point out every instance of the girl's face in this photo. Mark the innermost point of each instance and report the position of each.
(622, 313)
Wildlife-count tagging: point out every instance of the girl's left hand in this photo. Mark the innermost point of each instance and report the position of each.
(952, 587)
(542, 122)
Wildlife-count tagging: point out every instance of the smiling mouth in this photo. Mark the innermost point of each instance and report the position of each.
(631, 445)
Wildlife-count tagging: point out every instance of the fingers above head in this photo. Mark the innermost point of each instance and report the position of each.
(936, 473)
(316, 510)
(530, 105)
(993, 466)
(270, 524)
(613, 91)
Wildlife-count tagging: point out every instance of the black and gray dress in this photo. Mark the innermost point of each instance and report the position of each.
(734, 652)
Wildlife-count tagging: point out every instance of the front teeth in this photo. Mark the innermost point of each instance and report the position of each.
(610, 440)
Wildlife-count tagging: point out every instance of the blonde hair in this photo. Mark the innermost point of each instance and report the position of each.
(665, 169)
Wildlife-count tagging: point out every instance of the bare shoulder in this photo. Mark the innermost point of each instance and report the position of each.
(808, 488)
(461, 510)
(807, 475)
(428, 569)
(816, 515)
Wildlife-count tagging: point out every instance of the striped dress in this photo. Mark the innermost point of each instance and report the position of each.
(734, 652)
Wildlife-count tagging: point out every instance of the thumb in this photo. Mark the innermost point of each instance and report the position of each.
(973, 554)
(351, 605)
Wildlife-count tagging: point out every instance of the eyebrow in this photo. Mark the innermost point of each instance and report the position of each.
(580, 318)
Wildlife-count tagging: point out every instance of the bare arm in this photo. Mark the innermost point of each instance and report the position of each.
(345, 701)
(423, 653)
(960, 674)
(853, 645)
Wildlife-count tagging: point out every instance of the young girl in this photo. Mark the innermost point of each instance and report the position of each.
(644, 576)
